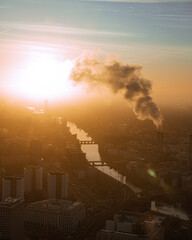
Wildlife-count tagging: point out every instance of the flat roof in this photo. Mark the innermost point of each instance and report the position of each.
(56, 204)
(57, 173)
(8, 202)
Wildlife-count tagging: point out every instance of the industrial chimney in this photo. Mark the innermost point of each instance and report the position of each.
(160, 140)
(190, 147)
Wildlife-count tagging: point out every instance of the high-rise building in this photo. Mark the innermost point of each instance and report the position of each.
(33, 179)
(12, 187)
(36, 148)
(14, 148)
(58, 185)
(12, 219)
(76, 158)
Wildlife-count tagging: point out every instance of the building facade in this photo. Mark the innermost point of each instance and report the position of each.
(133, 226)
(12, 219)
(63, 215)
(33, 179)
(12, 187)
(57, 185)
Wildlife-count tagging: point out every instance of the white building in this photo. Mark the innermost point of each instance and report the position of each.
(33, 179)
(133, 226)
(12, 187)
(12, 219)
(60, 214)
(58, 185)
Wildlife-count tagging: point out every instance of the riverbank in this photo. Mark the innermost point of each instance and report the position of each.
(92, 155)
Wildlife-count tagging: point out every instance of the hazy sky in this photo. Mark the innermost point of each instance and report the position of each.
(155, 34)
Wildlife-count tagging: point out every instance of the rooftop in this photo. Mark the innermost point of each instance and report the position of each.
(32, 167)
(12, 177)
(9, 202)
(57, 173)
(55, 204)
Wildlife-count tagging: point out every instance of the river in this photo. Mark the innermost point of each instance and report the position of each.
(92, 154)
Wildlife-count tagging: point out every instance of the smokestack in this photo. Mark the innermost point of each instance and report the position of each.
(190, 147)
(160, 140)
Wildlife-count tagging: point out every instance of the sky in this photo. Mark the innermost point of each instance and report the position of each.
(154, 34)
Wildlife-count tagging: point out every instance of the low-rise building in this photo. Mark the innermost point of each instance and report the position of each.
(59, 214)
(133, 226)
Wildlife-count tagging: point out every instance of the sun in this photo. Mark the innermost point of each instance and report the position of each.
(43, 76)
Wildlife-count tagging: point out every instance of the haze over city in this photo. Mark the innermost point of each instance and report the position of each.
(96, 120)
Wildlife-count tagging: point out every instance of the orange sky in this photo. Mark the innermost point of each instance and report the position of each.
(154, 35)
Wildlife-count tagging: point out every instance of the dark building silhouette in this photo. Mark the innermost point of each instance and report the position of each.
(36, 148)
(12, 219)
(58, 185)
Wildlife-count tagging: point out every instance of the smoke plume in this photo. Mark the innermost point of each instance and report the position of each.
(120, 77)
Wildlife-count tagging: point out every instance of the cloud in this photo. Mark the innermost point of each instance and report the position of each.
(4, 6)
(144, 1)
(62, 30)
(136, 53)
(4, 31)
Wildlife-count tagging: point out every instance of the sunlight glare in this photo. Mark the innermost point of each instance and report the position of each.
(43, 76)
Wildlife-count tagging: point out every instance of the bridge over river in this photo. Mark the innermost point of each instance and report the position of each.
(90, 147)
(87, 142)
(98, 163)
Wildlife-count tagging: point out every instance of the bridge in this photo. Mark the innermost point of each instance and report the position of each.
(87, 142)
(97, 163)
